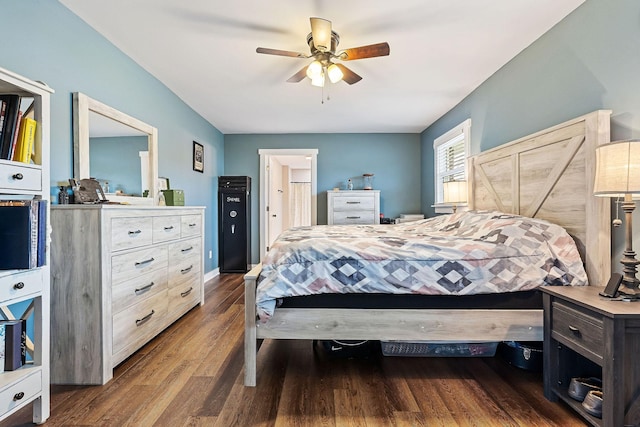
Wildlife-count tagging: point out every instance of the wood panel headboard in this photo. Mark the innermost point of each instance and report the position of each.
(549, 175)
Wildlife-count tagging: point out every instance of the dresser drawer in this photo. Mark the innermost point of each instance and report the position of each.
(133, 264)
(185, 249)
(131, 292)
(185, 271)
(183, 297)
(577, 328)
(17, 285)
(20, 177)
(354, 203)
(166, 228)
(354, 217)
(130, 233)
(139, 321)
(191, 225)
(23, 391)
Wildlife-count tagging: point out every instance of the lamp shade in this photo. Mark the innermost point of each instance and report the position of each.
(455, 191)
(617, 169)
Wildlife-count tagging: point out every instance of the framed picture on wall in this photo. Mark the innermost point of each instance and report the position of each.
(198, 157)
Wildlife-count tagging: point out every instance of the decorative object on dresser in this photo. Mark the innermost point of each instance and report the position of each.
(586, 335)
(353, 207)
(455, 193)
(24, 288)
(367, 178)
(618, 175)
(121, 275)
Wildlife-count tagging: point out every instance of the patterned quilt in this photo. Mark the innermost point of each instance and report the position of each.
(466, 253)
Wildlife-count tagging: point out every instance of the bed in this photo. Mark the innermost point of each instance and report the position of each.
(547, 175)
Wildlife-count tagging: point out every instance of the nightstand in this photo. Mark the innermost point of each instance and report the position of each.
(589, 335)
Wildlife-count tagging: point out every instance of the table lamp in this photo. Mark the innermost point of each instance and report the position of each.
(455, 192)
(618, 175)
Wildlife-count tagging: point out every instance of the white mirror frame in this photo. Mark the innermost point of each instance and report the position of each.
(82, 105)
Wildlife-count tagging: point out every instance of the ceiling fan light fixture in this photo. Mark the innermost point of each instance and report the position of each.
(335, 73)
(314, 70)
(318, 81)
(321, 32)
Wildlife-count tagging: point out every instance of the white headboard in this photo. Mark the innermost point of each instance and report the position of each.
(549, 175)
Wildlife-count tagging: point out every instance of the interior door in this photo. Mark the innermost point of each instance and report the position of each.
(275, 199)
(308, 154)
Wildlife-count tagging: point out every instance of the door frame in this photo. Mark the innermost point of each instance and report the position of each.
(265, 154)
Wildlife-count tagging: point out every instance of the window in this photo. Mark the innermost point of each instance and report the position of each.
(450, 157)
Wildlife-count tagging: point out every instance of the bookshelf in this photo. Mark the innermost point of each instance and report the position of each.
(26, 293)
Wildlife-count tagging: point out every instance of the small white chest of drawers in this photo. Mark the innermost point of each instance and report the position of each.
(353, 207)
(120, 275)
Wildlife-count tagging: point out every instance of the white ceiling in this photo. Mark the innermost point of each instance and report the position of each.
(205, 52)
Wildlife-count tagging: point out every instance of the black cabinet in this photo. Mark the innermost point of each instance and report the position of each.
(234, 223)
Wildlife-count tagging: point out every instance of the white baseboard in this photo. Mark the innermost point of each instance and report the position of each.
(211, 274)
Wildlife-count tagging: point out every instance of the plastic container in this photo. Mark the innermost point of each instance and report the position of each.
(438, 349)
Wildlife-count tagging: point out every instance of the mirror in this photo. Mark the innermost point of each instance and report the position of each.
(114, 147)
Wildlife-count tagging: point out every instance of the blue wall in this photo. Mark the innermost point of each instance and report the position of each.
(394, 159)
(588, 61)
(43, 40)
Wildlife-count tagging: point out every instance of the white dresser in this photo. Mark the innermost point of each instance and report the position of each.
(120, 275)
(353, 207)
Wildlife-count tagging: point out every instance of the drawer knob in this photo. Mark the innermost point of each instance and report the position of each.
(353, 217)
(145, 318)
(186, 249)
(353, 203)
(192, 225)
(146, 261)
(144, 288)
(132, 233)
(18, 396)
(574, 330)
(185, 293)
(19, 285)
(169, 228)
(186, 270)
(17, 176)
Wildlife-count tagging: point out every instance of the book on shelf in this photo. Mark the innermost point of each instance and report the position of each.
(2, 358)
(25, 140)
(3, 111)
(16, 134)
(23, 233)
(15, 343)
(10, 124)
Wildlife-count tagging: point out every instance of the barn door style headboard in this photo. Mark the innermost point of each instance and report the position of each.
(549, 175)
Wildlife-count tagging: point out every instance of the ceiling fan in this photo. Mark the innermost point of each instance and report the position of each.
(323, 42)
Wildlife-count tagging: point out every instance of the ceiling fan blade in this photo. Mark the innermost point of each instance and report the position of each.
(349, 76)
(297, 77)
(321, 33)
(278, 52)
(369, 51)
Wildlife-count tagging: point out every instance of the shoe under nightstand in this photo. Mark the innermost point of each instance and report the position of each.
(589, 335)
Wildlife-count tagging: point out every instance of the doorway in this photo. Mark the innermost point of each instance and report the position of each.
(288, 191)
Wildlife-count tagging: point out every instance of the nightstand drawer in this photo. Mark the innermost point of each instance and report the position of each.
(577, 328)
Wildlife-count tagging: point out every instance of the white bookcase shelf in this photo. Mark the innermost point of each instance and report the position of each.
(30, 383)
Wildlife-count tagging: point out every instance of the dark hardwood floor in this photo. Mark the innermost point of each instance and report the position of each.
(191, 375)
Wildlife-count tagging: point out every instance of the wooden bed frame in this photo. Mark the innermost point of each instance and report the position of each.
(547, 175)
